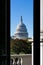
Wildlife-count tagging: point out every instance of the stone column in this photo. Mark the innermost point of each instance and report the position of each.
(41, 32)
(41, 15)
(32, 53)
(41, 53)
(41, 48)
(21, 61)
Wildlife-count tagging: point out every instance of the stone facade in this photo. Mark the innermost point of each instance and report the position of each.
(23, 59)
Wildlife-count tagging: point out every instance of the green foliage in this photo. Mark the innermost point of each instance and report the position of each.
(21, 52)
(21, 47)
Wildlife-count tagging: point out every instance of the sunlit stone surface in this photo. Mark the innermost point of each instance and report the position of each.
(41, 32)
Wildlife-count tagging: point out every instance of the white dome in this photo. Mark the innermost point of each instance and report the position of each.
(21, 31)
(21, 28)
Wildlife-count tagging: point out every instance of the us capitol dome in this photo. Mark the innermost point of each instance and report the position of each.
(21, 31)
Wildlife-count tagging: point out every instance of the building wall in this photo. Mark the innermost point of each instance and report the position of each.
(42, 54)
(26, 58)
(41, 29)
(41, 15)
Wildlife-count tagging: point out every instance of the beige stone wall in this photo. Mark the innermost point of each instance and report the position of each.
(26, 58)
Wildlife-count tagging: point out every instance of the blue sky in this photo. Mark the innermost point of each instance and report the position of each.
(22, 8)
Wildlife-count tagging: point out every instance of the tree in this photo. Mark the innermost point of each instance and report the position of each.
(21, 46)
